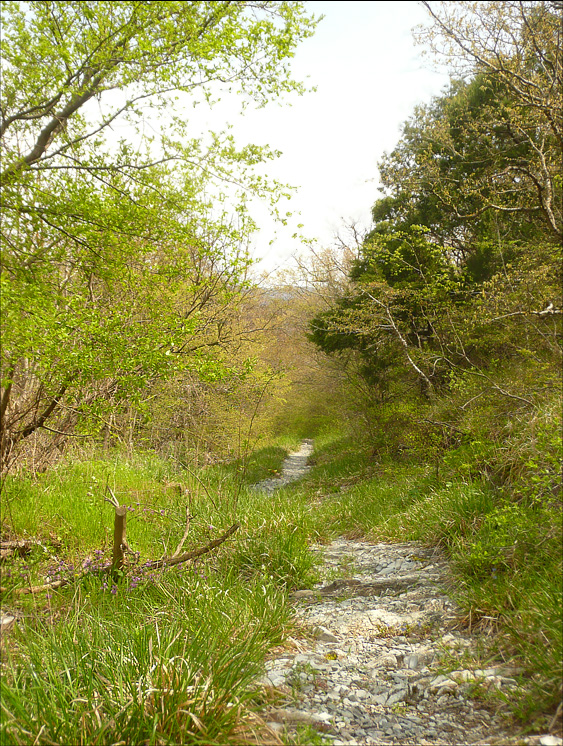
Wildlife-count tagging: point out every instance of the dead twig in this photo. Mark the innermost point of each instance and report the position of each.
(185, 536)
(154, 565)
(170, 561)
(556, 717)
(46, 587)
(9, 548)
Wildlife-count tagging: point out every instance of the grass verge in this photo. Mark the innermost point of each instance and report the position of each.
(180, 649)
(506, 554)
(160, 658)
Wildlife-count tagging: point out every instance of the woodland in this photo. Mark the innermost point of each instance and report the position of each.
(147, 371)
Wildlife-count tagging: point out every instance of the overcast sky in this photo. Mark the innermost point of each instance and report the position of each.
(369, 76)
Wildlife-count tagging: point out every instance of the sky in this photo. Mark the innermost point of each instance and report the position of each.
(369, 76)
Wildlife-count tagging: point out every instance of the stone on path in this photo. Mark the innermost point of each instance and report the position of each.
(294, 467)
(372, 670)
(371, 676)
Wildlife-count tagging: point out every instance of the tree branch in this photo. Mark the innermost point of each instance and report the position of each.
(156, 564)
(402, 340)
(170, 561)
(43, 417)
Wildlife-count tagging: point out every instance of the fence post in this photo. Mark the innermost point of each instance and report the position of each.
(119, 541)
(119, 536)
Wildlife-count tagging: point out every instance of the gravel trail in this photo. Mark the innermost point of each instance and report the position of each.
(294, 467)
(386, 663)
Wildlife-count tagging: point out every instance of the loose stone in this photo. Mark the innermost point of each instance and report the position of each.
(370, 678)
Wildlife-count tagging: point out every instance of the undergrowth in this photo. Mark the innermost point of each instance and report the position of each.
(158, 657)
(504, 544)
(171, 656)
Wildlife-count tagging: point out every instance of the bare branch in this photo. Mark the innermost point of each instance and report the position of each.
(39, 422)
(401, 339)
(186, 532)
(170, 561)
(157, 564)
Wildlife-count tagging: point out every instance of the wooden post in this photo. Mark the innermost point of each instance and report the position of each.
(119, 538)
(119, 541)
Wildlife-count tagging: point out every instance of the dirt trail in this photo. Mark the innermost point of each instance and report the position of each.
(294, 467)
(388, 663)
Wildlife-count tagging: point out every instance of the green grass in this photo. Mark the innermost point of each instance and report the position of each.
(160, 657)
(506, 556)
(216, 620)
(263, 463)
(173, 663)
(68, 504)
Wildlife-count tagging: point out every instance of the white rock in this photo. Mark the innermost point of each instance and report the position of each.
(495, 681)
(324, 634)
(396, 697)
(291, 716)
(464, 675)
(449, 638)
(449, 686)
(394, 668)
(495, 671)
(312, 660)
(551, 741)
(7, 621)
(276, 727)
(412, 662)
(436, 683)
(379, 699)
(322, 717)
(276, 677)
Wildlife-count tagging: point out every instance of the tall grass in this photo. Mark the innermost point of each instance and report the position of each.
(506, 554)
(157, 658)
(172, 665)
(170, 657)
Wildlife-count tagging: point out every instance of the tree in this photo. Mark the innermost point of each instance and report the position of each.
(454, 302)
(513, 50)
(120, 247)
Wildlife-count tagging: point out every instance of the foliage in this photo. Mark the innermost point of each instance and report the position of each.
(436, 407)
(165, 657)
(172, 665)
(453, 299)
(262, 359)
(123, 250)
(505, 555)
(512, 50)
(451, 328)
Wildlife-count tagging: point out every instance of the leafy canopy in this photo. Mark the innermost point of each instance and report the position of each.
(125, 238)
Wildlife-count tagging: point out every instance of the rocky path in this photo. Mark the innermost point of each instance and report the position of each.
(384, 663)
(294, 467)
